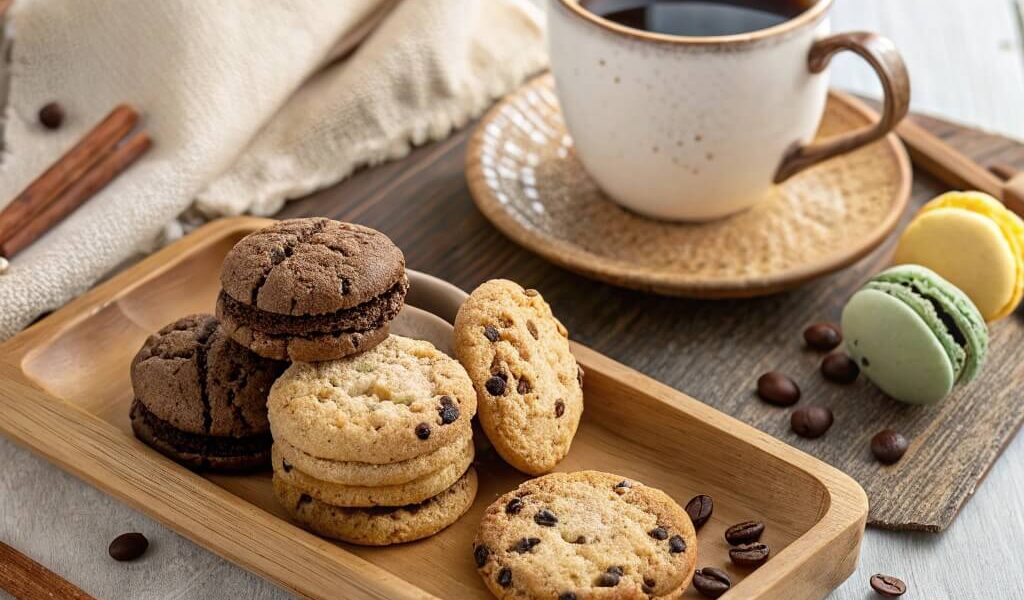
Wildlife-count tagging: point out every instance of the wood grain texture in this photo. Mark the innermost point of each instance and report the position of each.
(26, 579)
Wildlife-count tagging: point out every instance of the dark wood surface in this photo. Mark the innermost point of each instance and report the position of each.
(715, 350)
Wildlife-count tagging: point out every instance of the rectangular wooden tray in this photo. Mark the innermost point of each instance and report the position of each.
(65, 392)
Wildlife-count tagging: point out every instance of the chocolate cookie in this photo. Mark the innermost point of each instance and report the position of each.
(585, 535)
(311, 289)
(527, 381)
(201, 399)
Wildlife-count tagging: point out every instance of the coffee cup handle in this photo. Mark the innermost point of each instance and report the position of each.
(883, 57)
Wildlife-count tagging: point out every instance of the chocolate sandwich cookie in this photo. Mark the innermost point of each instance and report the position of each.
(200, 398)
(311, 289)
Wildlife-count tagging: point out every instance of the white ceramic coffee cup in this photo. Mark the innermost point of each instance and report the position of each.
(698, 128)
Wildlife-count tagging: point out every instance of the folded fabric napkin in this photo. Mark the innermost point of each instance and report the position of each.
(249, 104)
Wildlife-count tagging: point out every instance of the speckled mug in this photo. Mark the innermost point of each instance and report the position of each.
(698, 128)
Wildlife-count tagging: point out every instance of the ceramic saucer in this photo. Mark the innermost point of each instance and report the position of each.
(525, 178)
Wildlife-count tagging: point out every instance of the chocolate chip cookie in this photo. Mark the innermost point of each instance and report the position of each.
(311, 289)
(585, 535)
(402, 399)
(529, 386)
(379, 526)
(201, 399)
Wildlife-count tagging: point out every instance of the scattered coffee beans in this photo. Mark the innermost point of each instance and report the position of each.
(823, 336)
(128, 546)
(775, 388)
(811, 421)
(750, 556)
(888, 446)
(839, 368)
(700, 508)
(888, 586)
(711, 582)
(744, 533)
(51, 116)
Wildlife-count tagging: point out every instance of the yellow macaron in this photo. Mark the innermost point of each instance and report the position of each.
(973, 241)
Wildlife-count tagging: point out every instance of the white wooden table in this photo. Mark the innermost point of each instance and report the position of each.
(967, 64)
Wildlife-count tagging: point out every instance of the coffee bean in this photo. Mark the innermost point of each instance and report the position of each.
(496, 385)
(524, 387)
(480, 554)
(775, 388)
(128, 546)
(750, 556)
(700, 508)
(505, 577)
(545, 518)
(711, 582)
(422, 431)
(823, 336)
(744, 533)
(839, 368)
(491, 333)
(532, 328)
(51, 115)
(448, 411)
(811, 421)
(514, 506)
(525, 545)
(676, 544)
(888, 586)
(658, 533)
(567, 596)
(559, 408)
(888, 446)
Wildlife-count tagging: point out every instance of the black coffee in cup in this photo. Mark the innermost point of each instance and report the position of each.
(698, 18)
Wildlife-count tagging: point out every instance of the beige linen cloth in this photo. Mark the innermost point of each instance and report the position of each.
(249, 103)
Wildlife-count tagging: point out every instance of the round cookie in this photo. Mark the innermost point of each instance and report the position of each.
(402, 399)
(311, 289)
(585, 535)
(371, 475)
(401, 494)
(379, 526)
(200, 398)
(529, 386)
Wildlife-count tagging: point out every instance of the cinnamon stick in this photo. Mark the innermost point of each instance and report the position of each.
(25, 579)
(946, 164)
(91, 149)
(111, 165)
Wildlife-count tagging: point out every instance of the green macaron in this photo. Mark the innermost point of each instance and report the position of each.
(914, 334)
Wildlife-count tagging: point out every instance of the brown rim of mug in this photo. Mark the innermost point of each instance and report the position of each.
(810, 16)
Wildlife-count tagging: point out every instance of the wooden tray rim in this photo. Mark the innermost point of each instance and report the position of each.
(213, 517)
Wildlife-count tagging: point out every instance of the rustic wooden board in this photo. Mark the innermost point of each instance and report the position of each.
(715, 350)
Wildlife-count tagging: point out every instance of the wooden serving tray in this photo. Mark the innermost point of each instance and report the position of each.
(65, 392)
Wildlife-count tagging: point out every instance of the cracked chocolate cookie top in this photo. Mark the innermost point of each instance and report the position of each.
(191, 375)
(311, 266)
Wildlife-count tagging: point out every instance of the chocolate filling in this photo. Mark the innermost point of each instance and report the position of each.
(368, 316)
(204, 445)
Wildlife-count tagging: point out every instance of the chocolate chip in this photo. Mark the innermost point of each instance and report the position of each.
(545, 518)
(559, 408)
(864, 362)
(648, 586)
(491, 333)
(750, 556)
(616, 570)
(888, 446)
(823, 336)
(514, 506)
(658, 533)
(711, 582)
(287, 466)
(775, 388)
(624, 484)
(580, 540)
(448, 411)
(496, 385)
(608, 579)
(303, 499)
(811, 421)
(423, 431)
(524, 387)
(579, 375)
(505, 577)
(700, 508)
(839, 368)
(128, 546)
(744, 533)
(888, 586)
(567, 596)
(480, 554)
(531, 292)
(676, 544)
(525, 545)
(51, 116)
